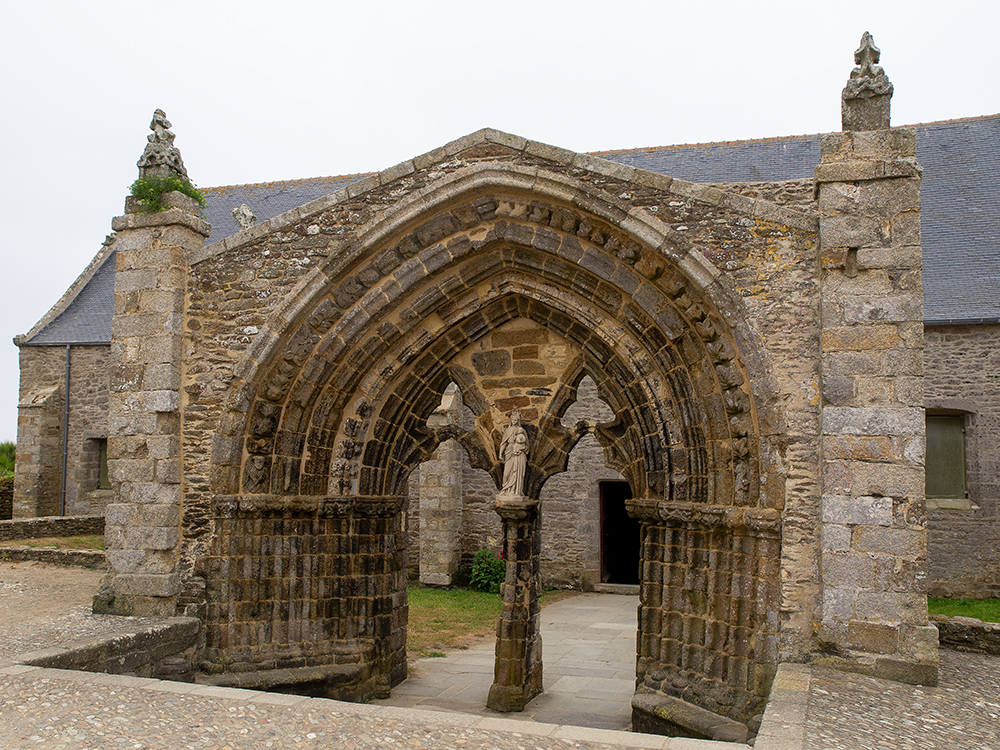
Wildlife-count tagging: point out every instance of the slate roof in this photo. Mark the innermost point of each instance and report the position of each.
(87, 317)
(960, 214)
(960, 201)
(266, 200)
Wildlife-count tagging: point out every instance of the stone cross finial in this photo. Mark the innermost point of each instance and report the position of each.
(865, 99)
(161, 157)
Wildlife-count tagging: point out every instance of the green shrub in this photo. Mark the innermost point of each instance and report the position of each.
(6, 459)
(488, 572)
(150, 191)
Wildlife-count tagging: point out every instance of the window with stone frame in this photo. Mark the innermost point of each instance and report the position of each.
(103, 481)
(945, 464)
(94, 465)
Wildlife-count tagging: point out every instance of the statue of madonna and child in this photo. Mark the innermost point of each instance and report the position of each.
(514, 454)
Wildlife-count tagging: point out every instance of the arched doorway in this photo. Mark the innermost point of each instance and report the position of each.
(514, 287)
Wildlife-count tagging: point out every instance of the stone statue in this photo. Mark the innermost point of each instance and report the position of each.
(161, 157)
(514, 454)
(244, 216)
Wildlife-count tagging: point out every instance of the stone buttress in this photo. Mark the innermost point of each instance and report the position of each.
(874, 613)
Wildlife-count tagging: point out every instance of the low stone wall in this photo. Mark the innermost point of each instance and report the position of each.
(35, 528)
(968, 634)
(6, 498)
(163, 650)
(81, 558)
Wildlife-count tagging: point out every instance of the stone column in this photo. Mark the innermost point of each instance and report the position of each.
(873, 526)
(518, 670)
(441, 498)
(380, 568)
(142, 533)
(440, 514)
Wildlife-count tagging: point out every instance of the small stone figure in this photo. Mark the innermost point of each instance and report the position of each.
(244, 216)
(161, 156)
(514, 454)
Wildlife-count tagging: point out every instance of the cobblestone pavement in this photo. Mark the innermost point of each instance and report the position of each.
(851, 712)
(54, 709)
(44, 605)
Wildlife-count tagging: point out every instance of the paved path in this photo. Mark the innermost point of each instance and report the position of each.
(588, 657)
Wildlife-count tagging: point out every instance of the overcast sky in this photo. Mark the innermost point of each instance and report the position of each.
(259, 92)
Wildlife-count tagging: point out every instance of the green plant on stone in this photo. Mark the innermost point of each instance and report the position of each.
(150, 192)
(7, 459)
(488, 571)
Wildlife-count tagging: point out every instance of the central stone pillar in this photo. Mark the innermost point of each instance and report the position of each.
(518, 671)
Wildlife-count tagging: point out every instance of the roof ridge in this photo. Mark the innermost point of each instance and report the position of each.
(778, 138)
(601, 154)
(215, 188)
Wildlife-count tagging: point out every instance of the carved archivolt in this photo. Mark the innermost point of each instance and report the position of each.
(342, 409)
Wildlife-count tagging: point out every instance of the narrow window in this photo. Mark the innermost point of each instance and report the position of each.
(103, 482)
(945, 464)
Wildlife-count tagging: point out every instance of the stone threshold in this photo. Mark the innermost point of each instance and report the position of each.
(624, 589)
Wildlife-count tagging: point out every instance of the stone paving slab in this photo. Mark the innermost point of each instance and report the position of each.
(588, 652)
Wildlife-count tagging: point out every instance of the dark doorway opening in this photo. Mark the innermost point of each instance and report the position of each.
(619, 535)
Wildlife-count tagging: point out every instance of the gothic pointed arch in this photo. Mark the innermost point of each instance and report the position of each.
(361, 351)
(514, 282)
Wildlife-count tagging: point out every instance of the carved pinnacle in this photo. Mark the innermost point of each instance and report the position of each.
(865, 99)
(161, 157)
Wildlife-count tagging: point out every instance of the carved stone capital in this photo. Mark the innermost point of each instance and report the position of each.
(381, 506)
(516, 507)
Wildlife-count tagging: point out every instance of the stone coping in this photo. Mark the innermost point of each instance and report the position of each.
(33, 528)
(157, 641)
(968, 634)
(784, 724)
(543, 735)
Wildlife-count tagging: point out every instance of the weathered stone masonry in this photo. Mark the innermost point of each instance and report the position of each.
(41, 424)
(274, 392)
(254, 470)
(962, 376)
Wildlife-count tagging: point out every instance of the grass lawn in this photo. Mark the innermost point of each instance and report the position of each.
(84, 541)
(443, 619)
(987, 610)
